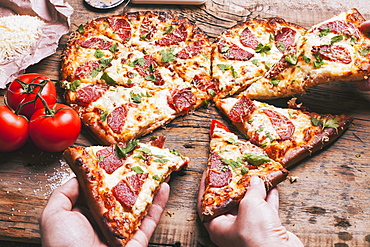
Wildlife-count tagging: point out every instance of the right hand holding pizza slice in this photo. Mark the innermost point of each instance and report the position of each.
(255, 222)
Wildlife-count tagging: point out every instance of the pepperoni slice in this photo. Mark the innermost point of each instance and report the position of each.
(283, 126)
(178, 35)
(341, 27)
(242, 108)
(248, 39)
(216, 125)
(121, 27)
(149, 70)
(108, 159)
(158, 141)
(126, 192)
(90, 93)
(117, 118)
(286, 37)
(181, 100)
(147, 29)
(234, 52)
(191, 50)
(204, 83)
(278, 68)
(136, 181)
(96, 43)
(334, 53)
(219, 173)
(85, 69)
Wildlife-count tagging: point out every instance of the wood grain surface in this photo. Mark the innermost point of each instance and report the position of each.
(328, 205)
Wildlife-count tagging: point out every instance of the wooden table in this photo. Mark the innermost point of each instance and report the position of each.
(328, 205)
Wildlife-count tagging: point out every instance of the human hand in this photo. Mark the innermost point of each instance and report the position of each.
(254, 223)
(66, 221)
(365, 84)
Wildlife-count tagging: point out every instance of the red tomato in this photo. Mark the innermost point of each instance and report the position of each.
(54, 133)
(13, 130)
(24, 89)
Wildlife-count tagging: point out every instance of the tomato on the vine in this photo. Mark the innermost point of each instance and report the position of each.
(13, 130)
(56, 128)
(22, 94)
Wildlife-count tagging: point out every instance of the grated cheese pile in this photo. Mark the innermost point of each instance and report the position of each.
(18, 33)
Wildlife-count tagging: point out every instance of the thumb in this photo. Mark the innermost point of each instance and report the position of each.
(254, 199)
(256, 189)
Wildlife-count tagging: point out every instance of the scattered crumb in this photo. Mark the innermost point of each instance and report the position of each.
(293, 179)
(190, 219)
(169, 213)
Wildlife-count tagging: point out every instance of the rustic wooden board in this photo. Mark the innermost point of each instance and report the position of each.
(327, 206)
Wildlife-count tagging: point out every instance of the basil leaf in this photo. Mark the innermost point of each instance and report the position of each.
(145, 150)
(104, 116)
(122, 151)
(136, 98)
(336, 39)
(256, 160)
(325, 31)
(109, 80)
(306, 59)
(292, 59)
(150, 77)
(81, 29)
(137, 169)
(161, 160)
(168, 30)
(74, 85)
(113, 48)
(330, 123)
(275, 81)
(98, 53)
(315, 121)
(168, 55)
(175, 152)
(364, 52)
(232, 141)
(263, 49)
(137, 61)
(232, 163)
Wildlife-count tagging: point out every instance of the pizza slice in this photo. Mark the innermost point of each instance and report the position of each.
(118, 114)
(120, 181)
(232, 163)
(245, 52)
(333, 50)
(286, 134)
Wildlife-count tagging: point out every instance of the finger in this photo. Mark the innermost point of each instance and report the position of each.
(152, 219)
(365, 28)
(273, 199)
(255, 196)
(256, 188)
(64, 197)
(200, 193)
(363, 85)
(221, 226)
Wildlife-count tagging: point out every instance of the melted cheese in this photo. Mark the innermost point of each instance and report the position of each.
(154, 168)
(18, 34)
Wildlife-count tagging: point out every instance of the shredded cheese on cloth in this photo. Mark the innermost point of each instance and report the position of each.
(18, 33)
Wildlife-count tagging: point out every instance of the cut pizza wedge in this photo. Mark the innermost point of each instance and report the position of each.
(244, 53)
(232, 163)
(128, 75)
(333, 50)
(286, 134)
(120, 181)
